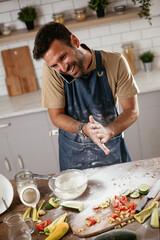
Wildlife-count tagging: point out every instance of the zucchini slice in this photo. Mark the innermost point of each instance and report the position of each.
(143, 189)
(72, 205)
(135, 195)
(118, 234)
(126, 192)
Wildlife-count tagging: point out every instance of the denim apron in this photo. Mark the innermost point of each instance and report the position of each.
(90, 95)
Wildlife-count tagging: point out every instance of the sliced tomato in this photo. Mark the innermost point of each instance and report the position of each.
(95, 207)
(132, 211)
(41, 226)
(113, 215)
(124, 208)
(132, 206)
(92, 220)
(115, 204)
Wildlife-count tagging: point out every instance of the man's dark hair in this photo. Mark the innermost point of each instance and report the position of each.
(46, 35)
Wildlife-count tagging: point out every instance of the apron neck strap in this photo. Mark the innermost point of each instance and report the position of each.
(99, 63)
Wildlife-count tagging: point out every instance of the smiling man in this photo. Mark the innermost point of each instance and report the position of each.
(81, 88)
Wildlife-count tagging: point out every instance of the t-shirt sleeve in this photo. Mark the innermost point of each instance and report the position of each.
(126, 84)
(53, 95)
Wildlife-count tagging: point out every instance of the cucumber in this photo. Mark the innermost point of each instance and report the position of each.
(126, 192)
(135, 195)
(72, 205)
(143, 189)
(118, 234)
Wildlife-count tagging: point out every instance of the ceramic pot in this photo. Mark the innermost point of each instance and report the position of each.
(100, 12)
(30, 25)
(147, 67)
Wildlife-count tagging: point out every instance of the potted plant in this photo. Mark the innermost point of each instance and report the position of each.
(147, 59)
(28, 15)
(98, 6)
(144, 9)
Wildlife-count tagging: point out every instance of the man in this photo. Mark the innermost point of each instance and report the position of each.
(80, 88)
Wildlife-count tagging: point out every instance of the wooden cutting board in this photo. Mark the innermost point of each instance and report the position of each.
(20, 76)
(115, 180)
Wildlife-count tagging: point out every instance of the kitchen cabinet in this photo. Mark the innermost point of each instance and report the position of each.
(7, 166)
(143, 137)
(28, 145)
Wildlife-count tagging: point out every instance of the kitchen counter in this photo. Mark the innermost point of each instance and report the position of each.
(101, 183)
(31, 102)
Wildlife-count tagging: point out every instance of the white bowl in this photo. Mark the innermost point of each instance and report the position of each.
(68, 184)
(120, 9)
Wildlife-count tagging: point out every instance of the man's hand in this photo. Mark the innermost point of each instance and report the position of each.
(101, 132)
(89, 131)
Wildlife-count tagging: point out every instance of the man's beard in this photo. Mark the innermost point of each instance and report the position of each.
(79, 62)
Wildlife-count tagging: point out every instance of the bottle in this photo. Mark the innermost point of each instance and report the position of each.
(128, 53)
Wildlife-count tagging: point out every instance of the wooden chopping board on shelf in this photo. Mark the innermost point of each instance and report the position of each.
(113, 180)
(20, 75)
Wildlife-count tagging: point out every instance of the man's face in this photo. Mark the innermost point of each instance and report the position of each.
(65, 59)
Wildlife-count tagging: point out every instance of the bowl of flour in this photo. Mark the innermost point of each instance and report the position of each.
(69, 184)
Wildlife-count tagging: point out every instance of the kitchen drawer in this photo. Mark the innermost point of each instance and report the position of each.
(27, 121)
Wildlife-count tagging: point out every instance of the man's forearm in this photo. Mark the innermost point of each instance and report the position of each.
(122, 122)
(65, 122)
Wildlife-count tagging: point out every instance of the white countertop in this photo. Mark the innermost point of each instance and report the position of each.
(31, 102)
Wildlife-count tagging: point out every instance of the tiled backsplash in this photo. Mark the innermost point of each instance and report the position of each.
(108, 37)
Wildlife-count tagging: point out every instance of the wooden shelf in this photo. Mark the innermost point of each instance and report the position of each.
(73, 24)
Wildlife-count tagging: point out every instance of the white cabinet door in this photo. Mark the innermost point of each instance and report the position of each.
(29, 144)
(33, 150)
(149, 124)
(7, 167)
(132, 140)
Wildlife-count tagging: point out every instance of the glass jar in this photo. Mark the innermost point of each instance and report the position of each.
(80, 14)
(27, 188)
(129, 55)
(6, 30)
(58, 18)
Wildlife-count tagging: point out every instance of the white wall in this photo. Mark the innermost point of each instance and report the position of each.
(108, 37)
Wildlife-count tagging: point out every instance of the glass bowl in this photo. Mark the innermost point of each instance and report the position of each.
(68, 184)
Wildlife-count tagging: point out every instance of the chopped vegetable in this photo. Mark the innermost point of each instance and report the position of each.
(90, 221)
(155, 218)
(34, 215)
(54, 202)
(61, 229)
(49, 229)
(72, 205)
(135, 195)
(126, 192)
(143, 189)
(144, 214)
(48, 206)
(40, 211)
(27, 213)
(41, 226)
(114, 216)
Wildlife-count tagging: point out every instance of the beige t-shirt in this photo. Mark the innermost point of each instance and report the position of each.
(120, 79)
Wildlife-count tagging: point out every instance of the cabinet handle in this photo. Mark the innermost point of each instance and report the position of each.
(20, 160)
(5, 125)
(53, 132)
(7, 164)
